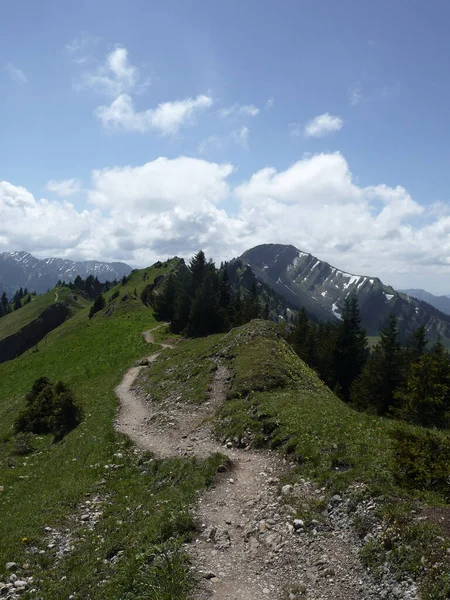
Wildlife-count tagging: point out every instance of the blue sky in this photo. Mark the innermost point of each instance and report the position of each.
(322, 124)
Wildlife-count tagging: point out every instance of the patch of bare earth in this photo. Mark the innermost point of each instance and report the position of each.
(250, 546)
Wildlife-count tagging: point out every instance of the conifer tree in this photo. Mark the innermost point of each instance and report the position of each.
(164, 304)
(197, 267)
(204, 315)
(351, 346)
(383, 374)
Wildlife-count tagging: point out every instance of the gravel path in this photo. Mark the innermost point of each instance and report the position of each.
(250, 546)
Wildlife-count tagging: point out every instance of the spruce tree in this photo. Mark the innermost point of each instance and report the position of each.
(383, 375)
(204, 316)
(165, 301)
(351, 346)
(182, 305)
(426, 399)
(4, 300)
(198, 267)
(300, 337)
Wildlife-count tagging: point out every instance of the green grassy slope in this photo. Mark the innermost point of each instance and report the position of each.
(14, 321)
(275, 400)
(145, 501)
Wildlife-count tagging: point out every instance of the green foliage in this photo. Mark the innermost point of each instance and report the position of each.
(50, 408)
(421, 459)
(23, 443)
(426, 399)
(351, 346)
(374, 390)
(98, 305)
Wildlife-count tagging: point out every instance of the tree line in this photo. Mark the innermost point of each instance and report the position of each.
(410, 381)
(199, 299)
(20, 298)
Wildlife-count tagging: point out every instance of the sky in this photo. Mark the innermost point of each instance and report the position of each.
(142, 130)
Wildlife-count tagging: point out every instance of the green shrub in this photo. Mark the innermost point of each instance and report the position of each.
(422, 459)
(98, 305)
(23, 443)
(51, 408)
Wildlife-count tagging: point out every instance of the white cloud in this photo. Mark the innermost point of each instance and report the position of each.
(65, 188)
(16, 74)
(322, 125)
(240, 110)
(270, 103)
(174, 206)
(355, 94)
(115, 76)
(240, 136)
(81, 43)
(167, 117)
(221, 142)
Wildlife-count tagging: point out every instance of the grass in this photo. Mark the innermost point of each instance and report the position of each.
(14, 321)
(277, 401)
(184, 374)
(150, 499)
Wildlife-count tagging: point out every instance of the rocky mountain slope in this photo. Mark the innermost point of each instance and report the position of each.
(305, 280)
(442, 303)
(21, 269)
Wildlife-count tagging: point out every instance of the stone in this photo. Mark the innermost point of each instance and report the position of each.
(11, 566)
(286, 490)
(20, 583)
(298, 524)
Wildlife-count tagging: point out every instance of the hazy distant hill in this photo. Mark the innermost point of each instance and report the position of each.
(442, 303)
(21, 269)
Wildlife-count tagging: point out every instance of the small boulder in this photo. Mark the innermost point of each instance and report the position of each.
(11, 566)
(286, 490)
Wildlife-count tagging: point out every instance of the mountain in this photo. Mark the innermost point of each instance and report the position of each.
(305, 280)
(442, 303)
(21, 269)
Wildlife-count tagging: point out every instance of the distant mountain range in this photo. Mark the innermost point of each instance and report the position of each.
(304, 280)
(442, 303)
(21, 269)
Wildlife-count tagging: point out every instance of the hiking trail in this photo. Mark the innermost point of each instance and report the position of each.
(249, 545)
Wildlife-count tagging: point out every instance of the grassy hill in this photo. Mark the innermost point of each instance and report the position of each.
(14, 321)
(48, 487)
(276, 401)
(133, 549)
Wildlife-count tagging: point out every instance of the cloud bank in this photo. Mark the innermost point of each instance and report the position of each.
(176, 206)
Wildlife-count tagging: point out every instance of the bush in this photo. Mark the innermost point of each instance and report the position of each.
(99, 304)
(51, 408)
(422, 459)
(23, 444)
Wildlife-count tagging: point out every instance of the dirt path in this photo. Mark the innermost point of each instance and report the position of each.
(250, 546)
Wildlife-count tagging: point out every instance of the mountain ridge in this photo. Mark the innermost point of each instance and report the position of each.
(22, 269)
(322, 288)
(442, 303)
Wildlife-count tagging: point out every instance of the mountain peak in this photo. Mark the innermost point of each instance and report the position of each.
(306, 281)
(22, 269)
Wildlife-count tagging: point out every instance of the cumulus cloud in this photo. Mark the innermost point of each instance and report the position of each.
(175, 206)
(322, 125)
(64, 188)
(167, 117)
(16, 74)
(239, 110)
(115, 76)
